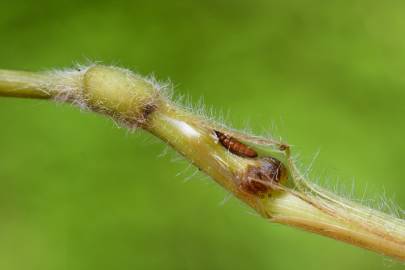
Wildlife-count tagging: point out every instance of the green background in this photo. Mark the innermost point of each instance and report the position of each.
(76, 192)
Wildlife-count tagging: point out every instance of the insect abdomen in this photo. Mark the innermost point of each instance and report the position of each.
(234, 146)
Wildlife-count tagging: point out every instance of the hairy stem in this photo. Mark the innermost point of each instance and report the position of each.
(259, 171)
(318, 212)
(359, 228)
(23, 84)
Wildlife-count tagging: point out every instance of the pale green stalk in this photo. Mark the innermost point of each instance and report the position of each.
(22, 84)
(137, 102)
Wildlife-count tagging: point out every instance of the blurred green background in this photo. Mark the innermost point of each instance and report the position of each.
(76, 192)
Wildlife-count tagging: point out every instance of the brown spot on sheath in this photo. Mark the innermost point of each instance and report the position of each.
(258, 179)
(283, 147)
(146, 111)
(234, 146)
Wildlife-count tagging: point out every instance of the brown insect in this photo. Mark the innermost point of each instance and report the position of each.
(258, 179)
(234, 146)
